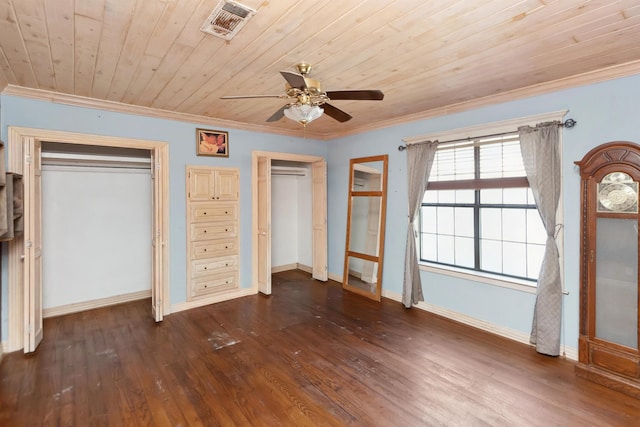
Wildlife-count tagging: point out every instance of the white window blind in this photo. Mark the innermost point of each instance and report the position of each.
(499, 157)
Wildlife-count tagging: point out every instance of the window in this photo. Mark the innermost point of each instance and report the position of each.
(478, 212)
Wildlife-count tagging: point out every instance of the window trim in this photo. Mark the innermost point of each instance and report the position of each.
(472, 132)
(510, 125)
(480, 277)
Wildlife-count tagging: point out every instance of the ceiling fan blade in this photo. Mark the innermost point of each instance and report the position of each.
(251, 96)
(278, 114)
(294, 79)
(336, 113)
(360, 95)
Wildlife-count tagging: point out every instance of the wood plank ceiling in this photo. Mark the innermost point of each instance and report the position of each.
(425, 55)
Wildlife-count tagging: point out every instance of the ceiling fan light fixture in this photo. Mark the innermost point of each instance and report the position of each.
(304, 113)
(306, 96)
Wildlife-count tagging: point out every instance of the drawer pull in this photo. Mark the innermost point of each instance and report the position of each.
(226, 247)
(226, 229)
(226, 265)
(205, 231)
(205, 249)
(205, 212)
(205, 268)
(225, 212)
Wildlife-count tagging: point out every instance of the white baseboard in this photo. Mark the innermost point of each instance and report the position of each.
(96, 303)
(304, 268)
(570, 353)
(335, 277)
(522, 337)
(226, 296)
(288, 267)
(281, 268)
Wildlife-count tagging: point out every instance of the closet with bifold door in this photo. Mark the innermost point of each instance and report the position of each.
(96, 222)
(291, 216)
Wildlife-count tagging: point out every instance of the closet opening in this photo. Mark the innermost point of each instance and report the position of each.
(96, 222)
(82, 152)
(291, 216)
(281, 233)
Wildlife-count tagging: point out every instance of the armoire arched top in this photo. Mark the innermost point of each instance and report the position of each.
(623, 153)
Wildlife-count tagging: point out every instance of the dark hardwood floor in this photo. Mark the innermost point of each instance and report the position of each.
(308, 355)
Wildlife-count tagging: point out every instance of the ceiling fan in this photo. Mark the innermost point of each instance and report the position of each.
(307, 99)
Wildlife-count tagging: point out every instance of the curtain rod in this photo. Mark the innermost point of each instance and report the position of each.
(569, 123)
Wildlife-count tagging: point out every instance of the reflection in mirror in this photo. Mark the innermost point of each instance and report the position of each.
(367, 176)
(363, 274)
(365, 224)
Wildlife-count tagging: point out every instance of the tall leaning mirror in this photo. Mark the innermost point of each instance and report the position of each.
(366, 213)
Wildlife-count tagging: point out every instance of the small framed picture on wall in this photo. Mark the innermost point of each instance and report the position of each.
(212, 143)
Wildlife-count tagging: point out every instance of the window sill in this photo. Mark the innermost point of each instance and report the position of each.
(489, 279)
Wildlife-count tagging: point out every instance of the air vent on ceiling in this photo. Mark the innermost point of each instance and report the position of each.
(227, 19)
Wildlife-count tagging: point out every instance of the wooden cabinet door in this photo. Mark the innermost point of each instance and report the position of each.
(201, 184)
(226, 184)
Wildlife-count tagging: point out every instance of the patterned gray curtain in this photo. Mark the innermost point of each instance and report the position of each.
(540, 153)
(419, 161)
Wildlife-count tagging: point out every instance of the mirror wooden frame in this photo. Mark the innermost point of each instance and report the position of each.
(377, 258)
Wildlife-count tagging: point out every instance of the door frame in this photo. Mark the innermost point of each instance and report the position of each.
(319, 195)
(160, 171)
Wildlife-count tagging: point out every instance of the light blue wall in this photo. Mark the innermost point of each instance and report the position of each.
(24, 112)
(605, 112)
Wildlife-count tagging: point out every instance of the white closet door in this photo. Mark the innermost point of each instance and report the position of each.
(33, 331)
(263, 225)
(319, 183)
(157, 237)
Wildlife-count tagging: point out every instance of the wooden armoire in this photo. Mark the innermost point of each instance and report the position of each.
(609, 322)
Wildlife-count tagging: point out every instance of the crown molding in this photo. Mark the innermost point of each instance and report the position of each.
(591, 77)
(119, 107)
(510, 125)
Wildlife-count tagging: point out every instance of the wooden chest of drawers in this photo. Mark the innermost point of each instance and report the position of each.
(212, 231)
